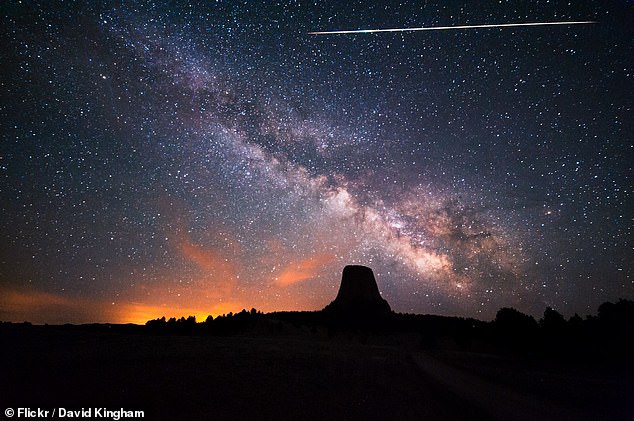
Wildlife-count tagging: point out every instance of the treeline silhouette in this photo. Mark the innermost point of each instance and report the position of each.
(227, 324)
(605, 337)
(609, 334)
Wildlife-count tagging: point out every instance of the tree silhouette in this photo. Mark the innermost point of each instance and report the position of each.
(553, 320)
(516, 331)
(511, 320)
(619, 314)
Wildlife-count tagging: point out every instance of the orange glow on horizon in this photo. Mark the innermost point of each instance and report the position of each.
(210, 283)
(42, 307)
(140, 313)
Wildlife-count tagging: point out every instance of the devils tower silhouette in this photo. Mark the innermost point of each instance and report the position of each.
(358, 299)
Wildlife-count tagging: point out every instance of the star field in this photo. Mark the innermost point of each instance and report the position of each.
(204, 157)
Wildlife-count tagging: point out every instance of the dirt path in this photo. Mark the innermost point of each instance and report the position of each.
(496, 400)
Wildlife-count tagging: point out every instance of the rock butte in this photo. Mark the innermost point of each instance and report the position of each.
(358, 295)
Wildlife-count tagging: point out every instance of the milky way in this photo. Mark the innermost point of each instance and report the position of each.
(204, 158)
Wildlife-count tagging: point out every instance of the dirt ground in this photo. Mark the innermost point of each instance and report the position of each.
(205, 377)
(283, 377)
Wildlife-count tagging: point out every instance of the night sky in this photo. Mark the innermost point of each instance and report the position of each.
(175, 159)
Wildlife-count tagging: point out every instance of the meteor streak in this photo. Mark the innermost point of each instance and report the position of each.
(445, 28)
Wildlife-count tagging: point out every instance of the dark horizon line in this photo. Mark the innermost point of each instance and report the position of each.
(297, 312)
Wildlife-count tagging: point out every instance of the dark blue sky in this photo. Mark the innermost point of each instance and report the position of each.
(197, 159)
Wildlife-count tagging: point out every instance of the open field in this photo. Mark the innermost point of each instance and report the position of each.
(263, 377)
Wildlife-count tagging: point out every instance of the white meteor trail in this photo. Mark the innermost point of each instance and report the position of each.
(445, 28)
